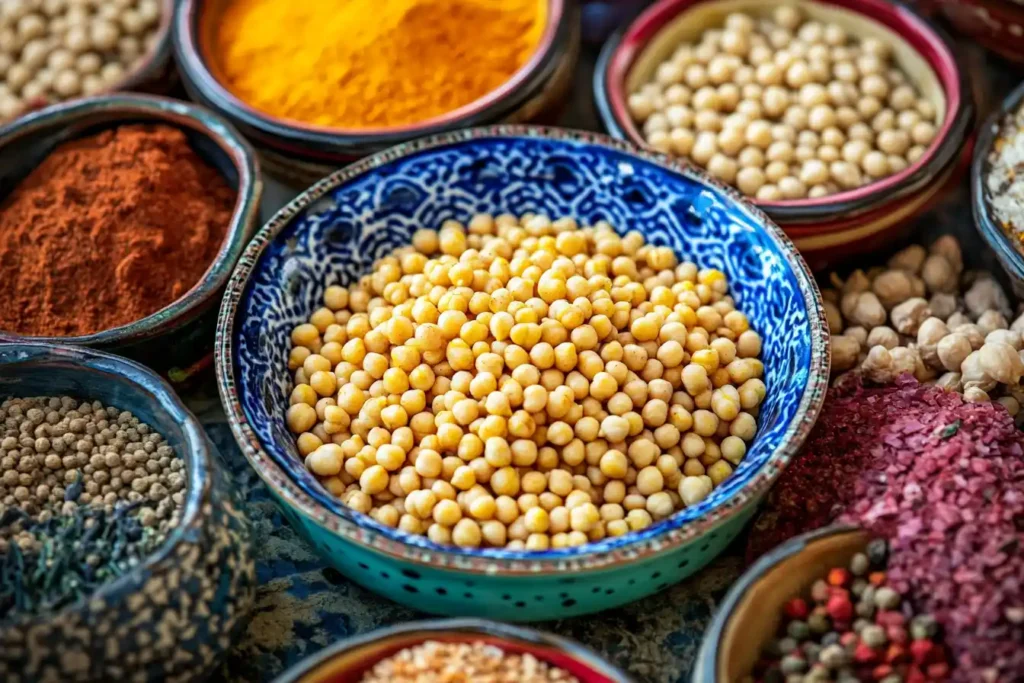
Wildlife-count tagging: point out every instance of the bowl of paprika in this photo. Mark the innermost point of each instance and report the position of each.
(121, 218)
(318, 86)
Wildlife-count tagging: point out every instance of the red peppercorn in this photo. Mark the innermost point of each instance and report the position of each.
(876, 578)
(937, 672)
(897, 634)
(848, 638)
(920, 650)
(840, 608)
(890, 618)
(881, 671)
(864, 654)
(896, 654)
(914, 675)
(838, 577)
(796, 609)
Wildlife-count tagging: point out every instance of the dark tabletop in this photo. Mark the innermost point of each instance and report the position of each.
(302, 605)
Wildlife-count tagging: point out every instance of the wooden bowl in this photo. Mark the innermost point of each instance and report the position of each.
(177, 340)
(349, 660)
(306, 151)
(751, 612)
(918, 47)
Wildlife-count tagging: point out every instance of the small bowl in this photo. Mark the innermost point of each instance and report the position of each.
(1008, 250)
(923, 51)
(174, 614)
(343, 223)
(997, 25)
(349, 660)
(176, 340)
(751, 612)
(299, 150)
(154, 73)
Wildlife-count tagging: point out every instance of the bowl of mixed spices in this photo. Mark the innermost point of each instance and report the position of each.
(122, 552)
(841, 119)
(121, 217)
(56, 50)
(997, 185)
(450, 649)
(520, 373)
(317, 85)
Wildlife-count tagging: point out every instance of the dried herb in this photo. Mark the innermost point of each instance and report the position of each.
(68, 557)
(943, 481)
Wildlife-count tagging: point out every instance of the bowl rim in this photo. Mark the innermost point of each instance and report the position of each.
(197, 454)
(620, 51)
(1010, 255)
(204, 86)
(127, 107)
(705, 665)
(154, 59)
(502, 631)
(659, 538)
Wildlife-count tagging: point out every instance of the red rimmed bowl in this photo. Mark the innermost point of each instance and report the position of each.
(307, 152)
(919, 48)
(349, 660)
(997, 25)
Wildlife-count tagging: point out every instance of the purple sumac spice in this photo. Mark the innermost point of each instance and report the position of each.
(943, 481)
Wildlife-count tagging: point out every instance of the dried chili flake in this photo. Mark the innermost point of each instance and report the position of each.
(943, 481)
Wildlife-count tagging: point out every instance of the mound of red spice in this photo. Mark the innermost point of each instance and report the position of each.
(107, 230)
(943, 481)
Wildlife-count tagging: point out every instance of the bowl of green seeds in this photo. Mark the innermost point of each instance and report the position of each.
(123, 554)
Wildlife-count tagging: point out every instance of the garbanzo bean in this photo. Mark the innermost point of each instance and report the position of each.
(528, 384)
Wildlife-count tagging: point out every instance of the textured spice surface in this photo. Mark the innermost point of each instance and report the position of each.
(943, 480)
(370, 63)
(108, 229)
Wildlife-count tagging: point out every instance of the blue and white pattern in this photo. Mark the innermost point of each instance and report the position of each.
(334, 232)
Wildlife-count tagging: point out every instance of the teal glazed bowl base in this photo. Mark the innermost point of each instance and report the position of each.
(333, 233)
(436, 590)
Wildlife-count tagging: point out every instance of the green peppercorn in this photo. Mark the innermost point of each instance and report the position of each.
(858, 586)
(873, 636)
(834, 656)
(787, 645)
(819, 623)
(887, 598)
(793, 664)
(860, 564)
(923, 626)
(798, 629)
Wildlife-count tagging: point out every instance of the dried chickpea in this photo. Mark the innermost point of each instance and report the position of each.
(529, 383)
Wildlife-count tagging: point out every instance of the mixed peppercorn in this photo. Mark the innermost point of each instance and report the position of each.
(852, 627)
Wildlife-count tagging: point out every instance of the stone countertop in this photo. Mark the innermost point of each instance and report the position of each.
(303, 605)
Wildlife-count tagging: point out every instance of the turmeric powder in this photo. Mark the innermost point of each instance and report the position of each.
(372, 63)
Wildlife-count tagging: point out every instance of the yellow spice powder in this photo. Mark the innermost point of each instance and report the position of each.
(372, 63)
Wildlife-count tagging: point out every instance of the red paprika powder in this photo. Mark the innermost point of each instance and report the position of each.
(107, 230)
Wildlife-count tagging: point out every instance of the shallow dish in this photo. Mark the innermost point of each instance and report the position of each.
(919, 47)
(177, 337)
(174, 614)
(749, 616)
(304, 150)
(348, 660)
(997, 25)
(1008, 250)
(344, 222)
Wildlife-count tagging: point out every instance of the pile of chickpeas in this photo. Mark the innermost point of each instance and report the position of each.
(785, 108)
(51, 50)
(525, 383)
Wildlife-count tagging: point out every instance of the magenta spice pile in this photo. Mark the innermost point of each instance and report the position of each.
(943, 481)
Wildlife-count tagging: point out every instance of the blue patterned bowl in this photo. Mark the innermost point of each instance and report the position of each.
(175, 340)
(338, 228)
(172, 616)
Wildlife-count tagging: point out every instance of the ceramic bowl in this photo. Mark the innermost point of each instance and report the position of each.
(177, 339)
(335, 230)
(154, 72)
(628, 60)
(750, 614)
(307, 152)
(1008, 250)
(349, 660)
(173, 615)
(997, 25)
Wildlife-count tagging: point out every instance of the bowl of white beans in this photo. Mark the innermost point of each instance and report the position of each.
(824, 114)
(56, 50)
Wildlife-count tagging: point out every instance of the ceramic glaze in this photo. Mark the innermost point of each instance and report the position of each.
(171, 617)
(334, 232)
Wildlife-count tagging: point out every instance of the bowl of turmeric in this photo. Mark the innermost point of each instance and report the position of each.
(316, 85)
